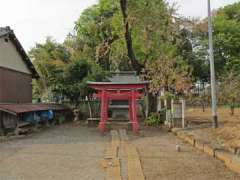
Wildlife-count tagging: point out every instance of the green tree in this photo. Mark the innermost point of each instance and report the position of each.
(226, 25)
(151, 32)
(73, 85)
(96, 33)
(127, 34)
(168, 74)
(63, 71)
(148, 30)
(227, 37)
(49, 59)
(117, 34)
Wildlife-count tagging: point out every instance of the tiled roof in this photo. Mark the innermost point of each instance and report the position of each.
(4, 31)
(122, 78)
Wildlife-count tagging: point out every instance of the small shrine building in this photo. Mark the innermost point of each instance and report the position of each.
(124, 85)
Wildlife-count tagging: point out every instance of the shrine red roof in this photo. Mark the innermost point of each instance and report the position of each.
(117, 85)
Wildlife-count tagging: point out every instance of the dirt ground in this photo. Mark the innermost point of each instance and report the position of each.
(228, 133)
(66, 152)
(161, 161)
(70, 152)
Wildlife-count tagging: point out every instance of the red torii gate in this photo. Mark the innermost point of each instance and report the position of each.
(107, 91)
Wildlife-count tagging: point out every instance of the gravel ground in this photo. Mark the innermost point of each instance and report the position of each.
(160, 160)
(70, 152)
(66, 152)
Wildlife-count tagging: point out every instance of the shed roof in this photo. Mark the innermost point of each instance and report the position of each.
(7, 32)
(23, 108)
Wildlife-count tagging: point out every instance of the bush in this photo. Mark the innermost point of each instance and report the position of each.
(155, 119)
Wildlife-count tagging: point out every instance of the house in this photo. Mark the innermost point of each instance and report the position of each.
(16, 70)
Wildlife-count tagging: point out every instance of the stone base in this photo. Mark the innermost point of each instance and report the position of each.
(118, 125)
(93, 122)
(111, 123)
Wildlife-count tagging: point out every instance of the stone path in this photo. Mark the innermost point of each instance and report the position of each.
(120, 149)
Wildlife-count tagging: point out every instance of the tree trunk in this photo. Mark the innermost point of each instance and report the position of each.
(138, 67)
(128, 39)
(152, 103)
(203, 98)
(232, 108)
(203, 105)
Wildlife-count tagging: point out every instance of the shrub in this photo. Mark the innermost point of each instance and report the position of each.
(155, 119)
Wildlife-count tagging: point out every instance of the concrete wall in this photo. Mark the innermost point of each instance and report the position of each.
(15, 87)
(10, 58)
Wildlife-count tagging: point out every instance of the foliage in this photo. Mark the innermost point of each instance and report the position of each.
(64, 74)
(145, 36)
(156, 119)
(118, 32)
(227, 36)
(226, 25)
(153, 119)
(128, 35)
(96, 32)
(75, 78)
(229, 91)
(49, 59)
(168, 74)
(199, 58)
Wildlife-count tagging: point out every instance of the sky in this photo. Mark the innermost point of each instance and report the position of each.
(34, 20)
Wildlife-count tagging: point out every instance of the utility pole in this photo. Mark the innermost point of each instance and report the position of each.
(212, 69)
